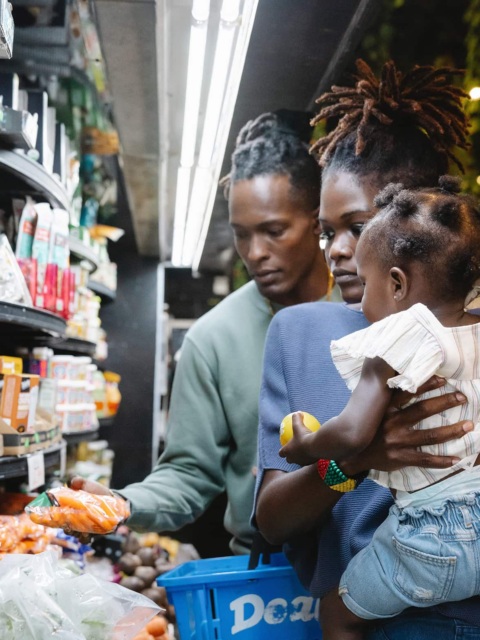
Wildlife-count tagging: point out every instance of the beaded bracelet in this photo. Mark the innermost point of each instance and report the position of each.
(334, 477)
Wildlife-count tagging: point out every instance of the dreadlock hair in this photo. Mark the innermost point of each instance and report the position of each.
(401, 127)
(436, 227)
(268, 145)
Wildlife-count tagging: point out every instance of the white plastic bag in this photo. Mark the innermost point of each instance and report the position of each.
(40, 599)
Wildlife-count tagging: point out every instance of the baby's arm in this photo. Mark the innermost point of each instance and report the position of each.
(354, 428)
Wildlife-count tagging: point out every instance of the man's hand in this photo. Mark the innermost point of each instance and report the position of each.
(81, 484)
(396, 443)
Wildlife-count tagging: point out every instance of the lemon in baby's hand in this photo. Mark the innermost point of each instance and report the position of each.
(286, 431)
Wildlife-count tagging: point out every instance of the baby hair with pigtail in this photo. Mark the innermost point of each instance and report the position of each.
(438, 228)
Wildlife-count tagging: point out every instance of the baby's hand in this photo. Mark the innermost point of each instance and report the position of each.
(296, 450)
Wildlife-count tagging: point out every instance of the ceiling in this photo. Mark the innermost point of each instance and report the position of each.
(297, 49)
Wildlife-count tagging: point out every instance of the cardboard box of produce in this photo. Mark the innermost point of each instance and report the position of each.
(47, 433)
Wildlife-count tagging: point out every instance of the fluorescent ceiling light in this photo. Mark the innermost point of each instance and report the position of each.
(231, 47)
(225, 120)
(196, 58)
(181, 205)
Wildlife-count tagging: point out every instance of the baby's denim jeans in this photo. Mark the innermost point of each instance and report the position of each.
(418, 557)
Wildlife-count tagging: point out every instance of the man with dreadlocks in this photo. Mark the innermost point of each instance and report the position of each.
(400, 128)
(273, 196)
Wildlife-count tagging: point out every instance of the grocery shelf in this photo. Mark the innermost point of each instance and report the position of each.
(82, 252)
(80, 436)
(17, 466)
(106, 422)
(74, 346)
(35, 176)
(19, 319)
(107, 294)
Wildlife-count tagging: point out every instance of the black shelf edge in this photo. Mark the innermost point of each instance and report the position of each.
(106, 422)
(83, 253)
(35, 176)
(22, 318)
(80, 436)
(17, 466)
(108, 295)
(74, 346)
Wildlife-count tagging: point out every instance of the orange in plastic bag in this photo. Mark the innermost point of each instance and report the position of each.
(78, 511)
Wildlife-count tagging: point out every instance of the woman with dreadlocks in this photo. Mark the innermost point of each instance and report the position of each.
(402, 128)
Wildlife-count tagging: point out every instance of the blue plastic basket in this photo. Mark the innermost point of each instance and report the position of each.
(220, 599)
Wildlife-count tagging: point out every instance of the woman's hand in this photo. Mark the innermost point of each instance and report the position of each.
(396, 444)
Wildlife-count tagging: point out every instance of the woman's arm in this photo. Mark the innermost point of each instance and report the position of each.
(292, 503)
(354, 428)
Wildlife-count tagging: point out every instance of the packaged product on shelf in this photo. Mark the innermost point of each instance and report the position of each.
(38, 361)
(59, 367)
(10, 364)
(59, 253)
(26, 228)
(13, 287)
(18, 401)
(47, 395)
(40, 251)
(113, 395)
(100, 394)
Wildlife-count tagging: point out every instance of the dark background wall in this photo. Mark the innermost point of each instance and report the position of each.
(130, 323)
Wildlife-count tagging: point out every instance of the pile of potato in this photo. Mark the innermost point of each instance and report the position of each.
(143, 560)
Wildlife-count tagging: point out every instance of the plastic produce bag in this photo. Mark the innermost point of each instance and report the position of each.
(41, 599)
(78, 511)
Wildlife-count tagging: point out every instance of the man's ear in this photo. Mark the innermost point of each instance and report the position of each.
(316, 221)
(399, 283)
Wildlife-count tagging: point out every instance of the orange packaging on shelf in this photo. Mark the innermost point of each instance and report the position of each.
(113, 395)
(18, 401)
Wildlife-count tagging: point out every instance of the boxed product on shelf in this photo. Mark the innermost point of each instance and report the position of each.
(16, 444)
(18, 401)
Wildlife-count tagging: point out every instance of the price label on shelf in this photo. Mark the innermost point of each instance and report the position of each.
(36, 470)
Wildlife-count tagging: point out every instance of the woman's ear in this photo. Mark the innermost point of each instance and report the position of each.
(316, 221)
(399, 283)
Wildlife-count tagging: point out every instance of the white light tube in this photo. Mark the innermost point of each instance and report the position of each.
(202, 183)
(221, 64)
(225, 120)
(196, 58)
(181, 205)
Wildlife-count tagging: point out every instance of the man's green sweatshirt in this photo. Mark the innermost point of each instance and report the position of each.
(211, 443)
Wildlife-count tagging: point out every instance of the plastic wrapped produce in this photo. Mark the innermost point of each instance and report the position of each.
(42, 600)
(78, 511)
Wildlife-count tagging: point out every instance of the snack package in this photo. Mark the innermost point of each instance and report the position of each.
(78, 511)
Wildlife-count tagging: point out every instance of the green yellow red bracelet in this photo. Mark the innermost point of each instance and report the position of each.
(334, 477)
